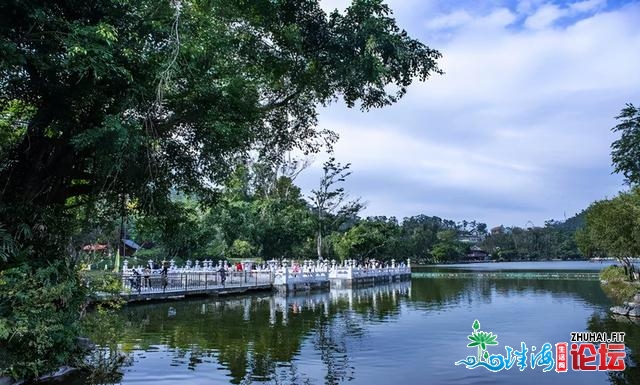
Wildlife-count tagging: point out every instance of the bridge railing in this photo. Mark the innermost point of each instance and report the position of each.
(192, 281)
(349, 272)
(206, 274)
(286, 276)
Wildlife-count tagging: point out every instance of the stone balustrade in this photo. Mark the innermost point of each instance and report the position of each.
(284, 275)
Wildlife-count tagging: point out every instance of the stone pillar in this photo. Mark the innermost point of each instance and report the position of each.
(125, 272)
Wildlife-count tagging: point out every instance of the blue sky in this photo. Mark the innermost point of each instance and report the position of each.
(518, 128)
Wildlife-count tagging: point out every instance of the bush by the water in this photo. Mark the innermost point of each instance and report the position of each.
(613, 274)
(104, 362)
(38, 319)
(616, 284)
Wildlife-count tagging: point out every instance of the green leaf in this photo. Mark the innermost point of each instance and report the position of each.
(476, 325)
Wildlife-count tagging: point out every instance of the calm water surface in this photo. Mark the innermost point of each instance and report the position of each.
(404, 333)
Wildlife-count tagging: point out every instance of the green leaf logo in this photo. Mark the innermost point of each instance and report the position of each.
(481, 340)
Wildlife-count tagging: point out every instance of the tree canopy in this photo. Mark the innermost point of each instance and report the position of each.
(143, 96)
(613, 225)
(109, 105)
(625, 151)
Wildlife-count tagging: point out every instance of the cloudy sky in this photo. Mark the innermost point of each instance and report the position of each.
(518, 129)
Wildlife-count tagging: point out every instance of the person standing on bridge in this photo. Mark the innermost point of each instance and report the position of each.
(164, 275)
(136, 282)
(223, 274)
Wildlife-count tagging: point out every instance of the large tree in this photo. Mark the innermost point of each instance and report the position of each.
(625, 151)
(111, 101)
(370, 238)
(143, 96)
(123, 101)
(613, 227)
(330, 203)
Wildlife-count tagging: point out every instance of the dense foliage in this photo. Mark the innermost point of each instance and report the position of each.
(556, 240)
(613, 225)
(268, 218)
(625, 151)
(38, 326)
(167, 122)
(109, 106)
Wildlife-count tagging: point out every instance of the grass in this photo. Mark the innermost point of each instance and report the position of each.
(617, 285)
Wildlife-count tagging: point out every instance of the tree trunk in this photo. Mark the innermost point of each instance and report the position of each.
(319, 244)
(40, 173)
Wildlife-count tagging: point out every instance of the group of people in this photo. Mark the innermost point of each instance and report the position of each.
(147, 277)
(138, 281)
(226, 267)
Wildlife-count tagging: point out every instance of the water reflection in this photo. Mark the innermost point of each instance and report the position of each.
(256, 338)
(437, 293)
(604, 322)
(409, 332)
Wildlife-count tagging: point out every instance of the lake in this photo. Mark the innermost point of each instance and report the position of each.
(408, 332)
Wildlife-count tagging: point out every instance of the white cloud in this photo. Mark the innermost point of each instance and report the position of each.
(501, 17)
(545, 16)
(527, 6)
(429, 161)
(497, 18)
(587, 5)
(450, 20)
(520, 68)
(518, 127)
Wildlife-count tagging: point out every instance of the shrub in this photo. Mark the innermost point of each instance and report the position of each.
(616, 284)
(103, 363)
(38, 318)
(612, 274)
